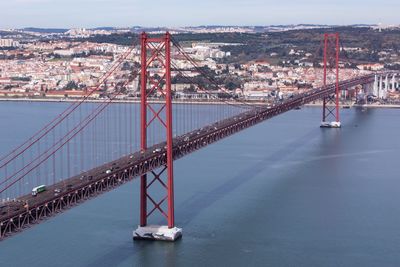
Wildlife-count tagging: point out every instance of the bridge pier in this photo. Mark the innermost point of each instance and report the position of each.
(157, 232)
(369, 90)
(386, 88)
(160, 54)
(376, 86)
(394, 83)
(380, 89)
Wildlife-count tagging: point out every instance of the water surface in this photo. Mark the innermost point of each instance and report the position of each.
(283, 193)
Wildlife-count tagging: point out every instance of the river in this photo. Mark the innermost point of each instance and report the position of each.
(282, 193)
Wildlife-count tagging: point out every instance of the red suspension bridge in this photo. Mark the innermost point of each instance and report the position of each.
(91, 148)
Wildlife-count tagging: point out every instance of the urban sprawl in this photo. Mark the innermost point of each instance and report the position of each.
(68, 66)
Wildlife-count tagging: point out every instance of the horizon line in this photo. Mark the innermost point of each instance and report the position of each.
(207, 25)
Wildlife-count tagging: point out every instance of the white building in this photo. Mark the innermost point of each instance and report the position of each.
(8, 43)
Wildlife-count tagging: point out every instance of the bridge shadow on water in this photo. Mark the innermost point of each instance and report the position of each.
(190, 209)
(204, 200)
(146, 250)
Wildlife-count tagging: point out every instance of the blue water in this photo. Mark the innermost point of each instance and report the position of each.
(97, 144)
(283, 193)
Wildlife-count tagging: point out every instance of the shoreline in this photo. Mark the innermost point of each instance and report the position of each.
(348, 106)
(154, 101)
(198, 102)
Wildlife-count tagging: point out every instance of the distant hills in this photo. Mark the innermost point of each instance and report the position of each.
(56, 30)
(255, 28)
(44, 30)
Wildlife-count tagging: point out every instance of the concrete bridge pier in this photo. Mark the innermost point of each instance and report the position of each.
(366, 89)
(394, 83)
(375, 86)
(386, 88)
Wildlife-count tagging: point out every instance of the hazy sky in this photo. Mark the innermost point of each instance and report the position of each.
(93, 13)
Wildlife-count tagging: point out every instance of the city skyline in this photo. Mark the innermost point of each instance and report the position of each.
(124, 13)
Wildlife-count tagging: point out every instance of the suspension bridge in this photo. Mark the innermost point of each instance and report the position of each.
(91, 148)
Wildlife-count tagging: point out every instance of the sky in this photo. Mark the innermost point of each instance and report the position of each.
(175, 13)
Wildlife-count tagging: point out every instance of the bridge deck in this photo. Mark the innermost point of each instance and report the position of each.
(27, 210)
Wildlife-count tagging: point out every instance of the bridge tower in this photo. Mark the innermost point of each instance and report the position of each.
(330, 109)
(157, 51)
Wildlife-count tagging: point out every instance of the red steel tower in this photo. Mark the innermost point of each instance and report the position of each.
(330, 112)
(156, 52)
